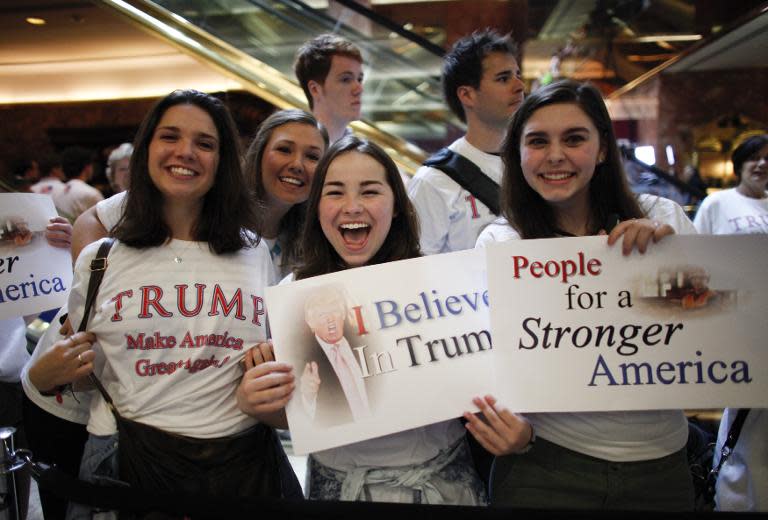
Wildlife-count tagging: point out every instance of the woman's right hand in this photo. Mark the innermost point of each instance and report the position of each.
(67, 361)
(266, 387)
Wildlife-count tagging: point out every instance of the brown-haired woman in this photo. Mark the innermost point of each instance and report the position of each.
(180, 302)
(563, 177)
(359, 214)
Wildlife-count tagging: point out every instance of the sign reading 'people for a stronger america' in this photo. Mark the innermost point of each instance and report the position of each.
(579, 327)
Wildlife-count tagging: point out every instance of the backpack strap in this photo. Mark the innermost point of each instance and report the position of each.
(467, 175)
(730, 441)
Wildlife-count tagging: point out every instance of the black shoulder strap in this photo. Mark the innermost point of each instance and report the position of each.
(467, 175)
(730, 442)
(735, 430)
(98, 267)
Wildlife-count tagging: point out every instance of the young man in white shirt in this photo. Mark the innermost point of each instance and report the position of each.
(77, 195)
(51, 176)
(482, 86)
(330, 70)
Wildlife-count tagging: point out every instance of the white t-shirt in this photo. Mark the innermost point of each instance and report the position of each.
(110, 210)
(409, 447)
(743, 481)
(48, 186)
(76, 197)
(171, 335)
(728, 212)
(450, 218)
(615, 436)
(70, 409)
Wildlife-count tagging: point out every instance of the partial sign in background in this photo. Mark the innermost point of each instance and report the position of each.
(34, 276)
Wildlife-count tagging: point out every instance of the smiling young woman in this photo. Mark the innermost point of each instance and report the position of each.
(189, 221)
(563, 177)
(281, 163)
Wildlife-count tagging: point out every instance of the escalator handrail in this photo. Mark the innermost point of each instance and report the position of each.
(683, 186)
(394, 27)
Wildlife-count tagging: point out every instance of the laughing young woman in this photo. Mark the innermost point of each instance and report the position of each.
(563, 177)
(358, 215)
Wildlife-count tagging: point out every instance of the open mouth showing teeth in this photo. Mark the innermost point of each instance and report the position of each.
(182, 172)
(557, 176)
(292, 181)
(355, 233)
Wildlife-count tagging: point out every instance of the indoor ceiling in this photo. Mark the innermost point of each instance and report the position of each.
(85, 51)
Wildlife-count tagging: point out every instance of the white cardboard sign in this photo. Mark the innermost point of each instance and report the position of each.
(579, 327)
(34, 276)
(390, 347)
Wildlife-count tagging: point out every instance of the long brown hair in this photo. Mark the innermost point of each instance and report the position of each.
(401, 242)
(609, 193)
(228, 213)
(293, 220)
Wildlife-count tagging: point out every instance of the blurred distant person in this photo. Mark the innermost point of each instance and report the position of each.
(118, 171)
(743, 209)
(25, 172)
(51, 176)
(78, 195)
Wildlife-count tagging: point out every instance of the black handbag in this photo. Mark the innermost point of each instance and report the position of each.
(248, 464)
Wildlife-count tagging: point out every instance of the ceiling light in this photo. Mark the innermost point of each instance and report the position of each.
(35, 21)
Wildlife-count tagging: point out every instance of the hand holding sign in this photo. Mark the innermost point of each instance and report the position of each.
(58, 232)
(501, 432)
(638, 233)
(266, 386)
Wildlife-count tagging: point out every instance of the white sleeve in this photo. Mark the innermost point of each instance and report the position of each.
(110, 210)
(434, 215)
(310, 404)
(668, 212)
(497, 231)
(71, 408)
(485, 238)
